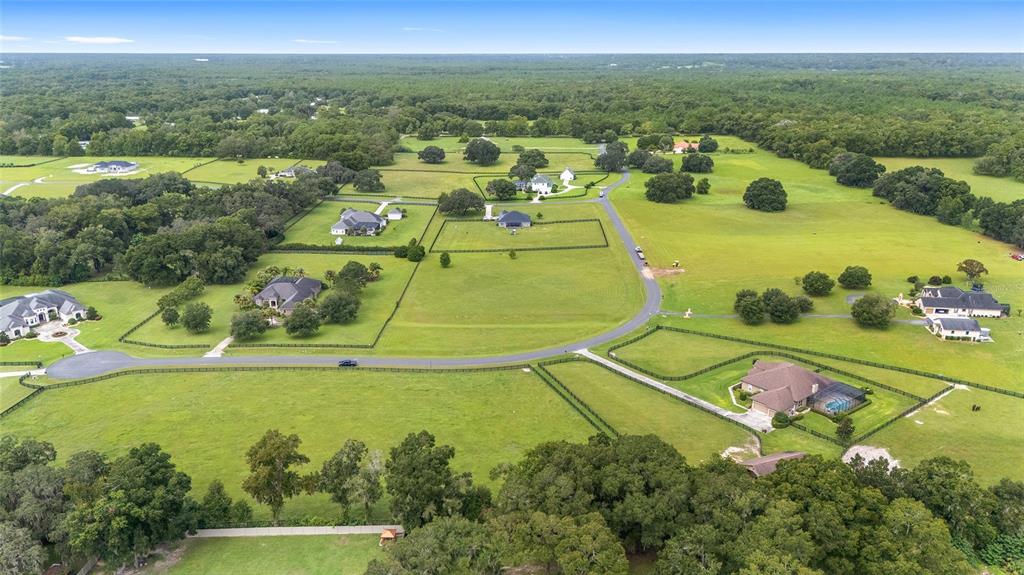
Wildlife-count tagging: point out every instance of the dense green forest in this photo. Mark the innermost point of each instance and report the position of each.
(353, 108)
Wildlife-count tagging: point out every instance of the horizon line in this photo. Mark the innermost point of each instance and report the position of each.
(136, 53)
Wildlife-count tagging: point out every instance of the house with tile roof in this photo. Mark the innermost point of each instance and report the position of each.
(513, 219)
(358, 223)
(18, 315)
(951, 301)
(788, 388)
(283, 293)
(112, 167)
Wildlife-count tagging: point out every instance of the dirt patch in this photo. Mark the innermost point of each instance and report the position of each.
(160, 561)
(664, 272)
(870, 453)
(743, 452)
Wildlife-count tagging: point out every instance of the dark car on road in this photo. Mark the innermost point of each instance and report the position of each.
(348, 363)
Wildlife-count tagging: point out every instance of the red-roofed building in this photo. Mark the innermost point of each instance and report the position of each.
(683, 147)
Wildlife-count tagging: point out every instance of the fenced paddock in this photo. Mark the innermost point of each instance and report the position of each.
(458, 236)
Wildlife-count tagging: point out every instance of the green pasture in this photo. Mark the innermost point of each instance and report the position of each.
(999, 189)
(632, 408)
(307, 555)
(452, 146)
(237, 171)
(24, 160)
(988, 439)
(314, 228)
(884, 405)
(58, 178)
(121, 304)
(489, 303)
(481, 235)
(378, 301)
(207, 421)
(793, 439)
(10, 391)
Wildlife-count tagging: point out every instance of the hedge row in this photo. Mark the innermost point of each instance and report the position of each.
(37, 364)
(580, 406)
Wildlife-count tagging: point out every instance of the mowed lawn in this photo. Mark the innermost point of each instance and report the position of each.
(314, 228)
(307, 555)
(999, 189)
(122, 304)
(378, 301)
(10, 391)
(59, 178)
(632, 408)
(237, 171)
(488, 303)
(480, 235)
(207, 421)
(453, 148)
(989, 439)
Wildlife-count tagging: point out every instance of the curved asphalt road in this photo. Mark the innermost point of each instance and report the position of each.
(98, 362)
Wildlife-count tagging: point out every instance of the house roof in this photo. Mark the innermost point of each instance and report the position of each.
(296, 170)
(684, 145)
(570, 170)
(358, 219)
(769, 376)
(394, 211)
(954, 297)
(15, 310)
(513, 217)
(761, 466)
(289, 291)
(541, 179)
(115, 164)
(776, 399)
(957, 323)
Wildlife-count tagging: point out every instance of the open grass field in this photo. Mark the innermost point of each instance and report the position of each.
(236, 171)
(207, 421)
(452, 146)
(122, 305)
(480, 235)
(305, 555)
(6, 159)
(315, 227)
(10, 391)
(999, 189)
(632, 408)
(58, 179)
(989, 439)
(488, 303)
(378, 301)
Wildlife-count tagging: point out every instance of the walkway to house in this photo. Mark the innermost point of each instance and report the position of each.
(218, 350)
(47, 333)
(283, 531)
(751, 419)
(381, 208)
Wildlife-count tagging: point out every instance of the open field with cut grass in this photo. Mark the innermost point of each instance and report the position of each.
(315, 227)
(989, 439)
(236, 171)
(378, 301)
(793, 439)
(207, 421)
(632, 408)
(10, 391)
(121, 304)
(59, 178)
(999, 189)
(6, 159)
(480, 235)
(452, 146)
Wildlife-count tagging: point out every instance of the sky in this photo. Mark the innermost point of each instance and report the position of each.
(510, 26)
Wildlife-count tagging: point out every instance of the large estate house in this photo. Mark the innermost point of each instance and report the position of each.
(294, 172)
(112, 167)
(359, 223)
(18, 315)
(788, 388)
(513, 219)
(950, 301)
(283, 293)
(541, 184)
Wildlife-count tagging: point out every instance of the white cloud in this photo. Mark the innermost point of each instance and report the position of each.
(420, 29)
(13, 38)
(98, 40)
(308, 41)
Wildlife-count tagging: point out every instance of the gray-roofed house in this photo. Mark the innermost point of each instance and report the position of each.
(541, 184)
(513, 219)
(358, 223)
(112, 167)
(788, 388)
(294, 172)
(283, 293)
(567, 176)
(958, 328)
(18, 315)
(951, 301)
(761, 466)
(395, 214)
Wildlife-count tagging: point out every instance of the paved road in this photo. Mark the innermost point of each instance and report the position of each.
(279, 531)
(98, 362)
(750, 419)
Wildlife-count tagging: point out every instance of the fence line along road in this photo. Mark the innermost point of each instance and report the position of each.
(293, 531)
(750, 419)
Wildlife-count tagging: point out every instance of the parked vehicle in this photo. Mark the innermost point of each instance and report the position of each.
(348, 363)
(600, 194)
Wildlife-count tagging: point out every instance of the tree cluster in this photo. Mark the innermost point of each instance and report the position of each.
(773, 303)
(669, 188)
(856, 170)
(766, 195)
